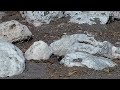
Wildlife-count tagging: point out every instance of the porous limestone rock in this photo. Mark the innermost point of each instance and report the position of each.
(38, 50)
(37, 18)
(12, 61)
(84, 59)
(13, 31)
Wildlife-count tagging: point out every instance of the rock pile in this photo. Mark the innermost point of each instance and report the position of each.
(86, 51)
(77, 49)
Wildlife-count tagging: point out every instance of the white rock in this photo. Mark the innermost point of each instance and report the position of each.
(37, 18)
(84, 43)
(82, 17)
(106, 50)
(13, 31)
(115, 52)
(12, 61)
(70, 43)
(39, 50)
(61, 46)
(94, 54)
(84, 59)
(82, 47)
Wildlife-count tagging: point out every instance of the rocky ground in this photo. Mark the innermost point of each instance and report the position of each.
(51, 69)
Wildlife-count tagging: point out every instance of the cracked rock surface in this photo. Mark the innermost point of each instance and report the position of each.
(86, 47)
(84, 59)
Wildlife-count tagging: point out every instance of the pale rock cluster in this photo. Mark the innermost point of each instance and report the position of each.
(77, 49)
(82, 49)
(37, 18)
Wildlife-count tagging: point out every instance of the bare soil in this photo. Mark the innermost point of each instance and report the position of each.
(51, 69)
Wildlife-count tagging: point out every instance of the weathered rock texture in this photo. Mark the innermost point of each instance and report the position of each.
(13, 31)
(89, 17)
(71, 46)
(37, 18)
(84, 59)
(92, 17)
(12, 61)
(39, 50)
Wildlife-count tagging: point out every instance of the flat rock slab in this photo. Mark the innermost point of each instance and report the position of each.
(84, 59)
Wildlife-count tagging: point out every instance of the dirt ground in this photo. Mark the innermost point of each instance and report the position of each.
(51, 69)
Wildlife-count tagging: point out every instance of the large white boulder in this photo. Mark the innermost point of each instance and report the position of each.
(84, 59)
(13, 31)
(37, 18)
(38, 50)
(12, 61)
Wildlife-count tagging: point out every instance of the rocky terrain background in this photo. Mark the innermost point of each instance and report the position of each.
(51, 68)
